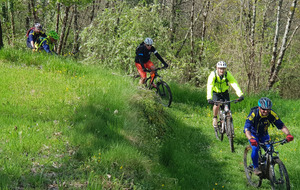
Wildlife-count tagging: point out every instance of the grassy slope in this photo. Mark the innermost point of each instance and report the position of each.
(69, 125)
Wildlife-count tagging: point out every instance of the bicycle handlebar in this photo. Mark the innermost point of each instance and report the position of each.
(283, 141)
(156, 69)
(226, 102)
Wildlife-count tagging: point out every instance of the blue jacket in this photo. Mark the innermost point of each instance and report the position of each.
(258, 125)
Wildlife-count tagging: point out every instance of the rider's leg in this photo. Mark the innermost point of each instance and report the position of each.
(142, 73)
(216, 109)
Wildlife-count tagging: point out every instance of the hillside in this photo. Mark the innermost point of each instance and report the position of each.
(67, 125)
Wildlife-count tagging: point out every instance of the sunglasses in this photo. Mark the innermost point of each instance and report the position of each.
(148, 45)
(265, 109)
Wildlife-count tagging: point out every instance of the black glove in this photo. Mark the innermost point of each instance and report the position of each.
(144, 69)
(241, 98)
(165, 65)
(210, 101)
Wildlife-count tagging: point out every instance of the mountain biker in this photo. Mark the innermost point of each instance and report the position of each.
(256, 127)
(142, 58)
(47, 43)
(33, 35)
(217, 89)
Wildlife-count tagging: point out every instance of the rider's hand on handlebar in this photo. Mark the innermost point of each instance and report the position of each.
(210, 101)
(253, 142)
(289, 138)
(241, 98)
(165, 66)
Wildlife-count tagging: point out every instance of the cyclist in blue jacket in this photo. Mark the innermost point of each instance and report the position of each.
(33, 36)
(256, 127)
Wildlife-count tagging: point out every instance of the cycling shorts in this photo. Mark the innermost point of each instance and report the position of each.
(147, 65)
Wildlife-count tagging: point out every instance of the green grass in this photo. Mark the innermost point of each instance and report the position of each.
(77, 126)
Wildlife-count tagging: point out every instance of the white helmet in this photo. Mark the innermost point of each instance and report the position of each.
(148, 41)
(221, 64)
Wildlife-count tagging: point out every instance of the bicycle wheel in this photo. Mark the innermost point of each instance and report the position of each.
(253, 179)
(164, 92)
(219, 133)
(278, 175)
(229, 131)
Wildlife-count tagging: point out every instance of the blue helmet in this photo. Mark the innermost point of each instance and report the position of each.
(265, 103)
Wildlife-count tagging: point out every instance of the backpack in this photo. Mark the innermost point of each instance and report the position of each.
(224, 76)
(27, 33)
(256, 121)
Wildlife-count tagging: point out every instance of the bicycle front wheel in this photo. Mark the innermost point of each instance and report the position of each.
(253, 179)
(164, 93)
(229, 128)
(278, 175)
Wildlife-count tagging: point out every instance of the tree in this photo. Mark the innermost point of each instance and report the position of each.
(1, 38)
(275, 64)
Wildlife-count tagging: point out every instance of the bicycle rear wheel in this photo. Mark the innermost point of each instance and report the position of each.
(229, 131)
(278, 175)
(253, 179)
(164, 92)
(220, 132)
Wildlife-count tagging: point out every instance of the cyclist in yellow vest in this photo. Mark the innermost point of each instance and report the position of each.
(48, 43)
(217, 88)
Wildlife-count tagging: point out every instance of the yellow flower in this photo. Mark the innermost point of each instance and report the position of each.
(121, 167)
(162, 185)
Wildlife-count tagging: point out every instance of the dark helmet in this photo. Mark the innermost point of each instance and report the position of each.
(265, 103)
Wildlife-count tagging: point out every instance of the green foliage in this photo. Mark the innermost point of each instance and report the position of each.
(72, 126)
(112, 38)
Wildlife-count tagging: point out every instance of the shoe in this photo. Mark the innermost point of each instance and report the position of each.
(257, 171)
(215, 122)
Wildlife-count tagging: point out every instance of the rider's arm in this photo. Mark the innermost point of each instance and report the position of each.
(158, 56)
(285, 130)
(210, 84)
(234, 84)
(30, 37)
(249, 124)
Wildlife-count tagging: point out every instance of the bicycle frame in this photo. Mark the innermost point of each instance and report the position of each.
(266, 158)
(152, 78)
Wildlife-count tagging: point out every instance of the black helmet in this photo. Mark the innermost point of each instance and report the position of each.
(265, 103)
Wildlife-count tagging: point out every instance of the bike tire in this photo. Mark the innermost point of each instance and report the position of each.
(278, 175)
(229, 131)
(253, 179)
(164, 93)
(218, 133)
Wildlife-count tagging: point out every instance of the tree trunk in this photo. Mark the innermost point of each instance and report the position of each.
(92, 12)
(57, 17)
(273, 75)
(192, 35)
(68, 31)
(27, 24)
(63, 30)
(76, 32)
(12, 14)
(275, 45)
(34, 13)
(1, 38)
(203, 33)
(172, 21)
(252, 48)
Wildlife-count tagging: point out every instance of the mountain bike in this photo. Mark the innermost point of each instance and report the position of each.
(161, 88)
(225, 123)
(269, 163)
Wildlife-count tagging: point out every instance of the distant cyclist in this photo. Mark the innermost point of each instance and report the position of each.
(256, 127)
(217, 88)
(33, 36)
(142, 58)
(47, 44)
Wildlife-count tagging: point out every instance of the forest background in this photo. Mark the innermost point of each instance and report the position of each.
(259, 39)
